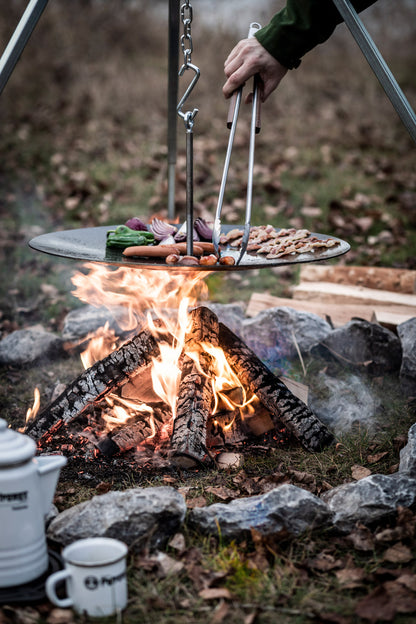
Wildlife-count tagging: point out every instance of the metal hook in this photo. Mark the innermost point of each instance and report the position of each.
(190, 115)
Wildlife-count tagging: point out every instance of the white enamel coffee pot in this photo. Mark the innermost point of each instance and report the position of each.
(27, 487)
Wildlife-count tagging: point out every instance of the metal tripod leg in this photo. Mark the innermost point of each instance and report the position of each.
(19, 39)
(378, 65)
(173, 62)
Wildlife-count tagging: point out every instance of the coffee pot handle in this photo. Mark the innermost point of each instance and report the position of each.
(50, 589)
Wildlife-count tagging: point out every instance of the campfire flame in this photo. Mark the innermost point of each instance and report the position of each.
(32, 411)
(139, 298)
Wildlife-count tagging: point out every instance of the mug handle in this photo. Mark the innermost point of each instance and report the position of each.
(50, 589)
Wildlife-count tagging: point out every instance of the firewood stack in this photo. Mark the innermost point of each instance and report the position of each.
(195, 398)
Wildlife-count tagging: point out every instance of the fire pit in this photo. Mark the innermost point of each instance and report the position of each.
(182, 383)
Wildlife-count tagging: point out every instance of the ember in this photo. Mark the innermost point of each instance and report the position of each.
(181, 383)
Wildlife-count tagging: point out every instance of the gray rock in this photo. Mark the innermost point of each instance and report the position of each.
(230, 314)
(343, 401)
(407, 335)
(364, 345)
(139, 516)
(86, 320)
(369, 499)
(272, 334)
(28, 346)
(408, 454)
(285, 507)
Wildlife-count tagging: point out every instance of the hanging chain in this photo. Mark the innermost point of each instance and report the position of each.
(187, 49)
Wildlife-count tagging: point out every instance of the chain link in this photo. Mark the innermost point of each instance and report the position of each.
(186, 38)
(187, 49)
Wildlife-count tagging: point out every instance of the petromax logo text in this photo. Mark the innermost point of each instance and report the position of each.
(92, 582)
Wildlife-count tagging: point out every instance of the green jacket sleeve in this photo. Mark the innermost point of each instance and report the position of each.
(300, 26)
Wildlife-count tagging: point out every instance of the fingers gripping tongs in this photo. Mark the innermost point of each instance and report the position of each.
(254, 129)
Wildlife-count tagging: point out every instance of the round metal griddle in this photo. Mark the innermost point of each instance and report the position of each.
(89, 245)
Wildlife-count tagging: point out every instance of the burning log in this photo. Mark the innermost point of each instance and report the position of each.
(195, 394)
(126, 438)
(95, 382)
(132, 434)
(284, 406)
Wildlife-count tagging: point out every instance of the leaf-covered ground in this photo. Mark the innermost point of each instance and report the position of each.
(83, 143)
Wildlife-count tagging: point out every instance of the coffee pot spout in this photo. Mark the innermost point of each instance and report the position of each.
(49, 467)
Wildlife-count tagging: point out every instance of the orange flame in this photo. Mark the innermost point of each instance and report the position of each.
(137, 298)
(32, 411)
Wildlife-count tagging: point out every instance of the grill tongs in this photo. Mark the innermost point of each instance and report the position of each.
(232, 119)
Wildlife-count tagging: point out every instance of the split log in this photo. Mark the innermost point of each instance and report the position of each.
(126, 438)
(381, 278)
(136, 430)
(193, 405)
(327, 292)
(96, 382)
(284, 407)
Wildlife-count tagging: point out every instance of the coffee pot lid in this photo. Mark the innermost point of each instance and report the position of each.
(15, 448)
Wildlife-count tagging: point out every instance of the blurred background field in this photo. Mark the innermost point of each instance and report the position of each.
(83, 141)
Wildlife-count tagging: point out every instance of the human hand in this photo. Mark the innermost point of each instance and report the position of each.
(247, 59)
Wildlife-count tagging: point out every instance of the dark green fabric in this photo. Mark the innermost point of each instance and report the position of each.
(300, 26)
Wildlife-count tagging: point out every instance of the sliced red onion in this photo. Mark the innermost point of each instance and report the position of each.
(169, 240)
(180, 235)
(136, 224)
(161, 229)
(203, 229)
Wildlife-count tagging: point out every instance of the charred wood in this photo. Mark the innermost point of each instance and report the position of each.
(95, 382)
(124, 439)
(284, 407)
(195, 393)
(134, 432)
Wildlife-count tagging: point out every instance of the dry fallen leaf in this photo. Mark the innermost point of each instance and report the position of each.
(376, 606)
(159, 563)
(408, 580)
(220, 613)
(373, 459)
(399, 553)
(324, 562)
(198, 501)
(177, 542)
(221, 492)
(250, 618)
(350, 578)
(361, 538)
(215, 593)
(403, 597)
(60, 616)
(359, 472)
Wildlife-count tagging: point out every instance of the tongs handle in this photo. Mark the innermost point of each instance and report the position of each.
(231, 110)
(254, 27)
(232, 118)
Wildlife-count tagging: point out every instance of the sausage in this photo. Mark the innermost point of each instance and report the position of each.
(207, 247)
(227, 260)
(197, 249)
(173, 259)
(188, 261)
(150, 251)
(208, 260)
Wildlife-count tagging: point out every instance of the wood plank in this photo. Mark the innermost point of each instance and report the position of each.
(380, 278)
(338, 313)
(297, 388)
(390, 319)
(327, 292)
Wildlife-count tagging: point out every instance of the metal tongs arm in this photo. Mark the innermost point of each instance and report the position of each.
(232, 119)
